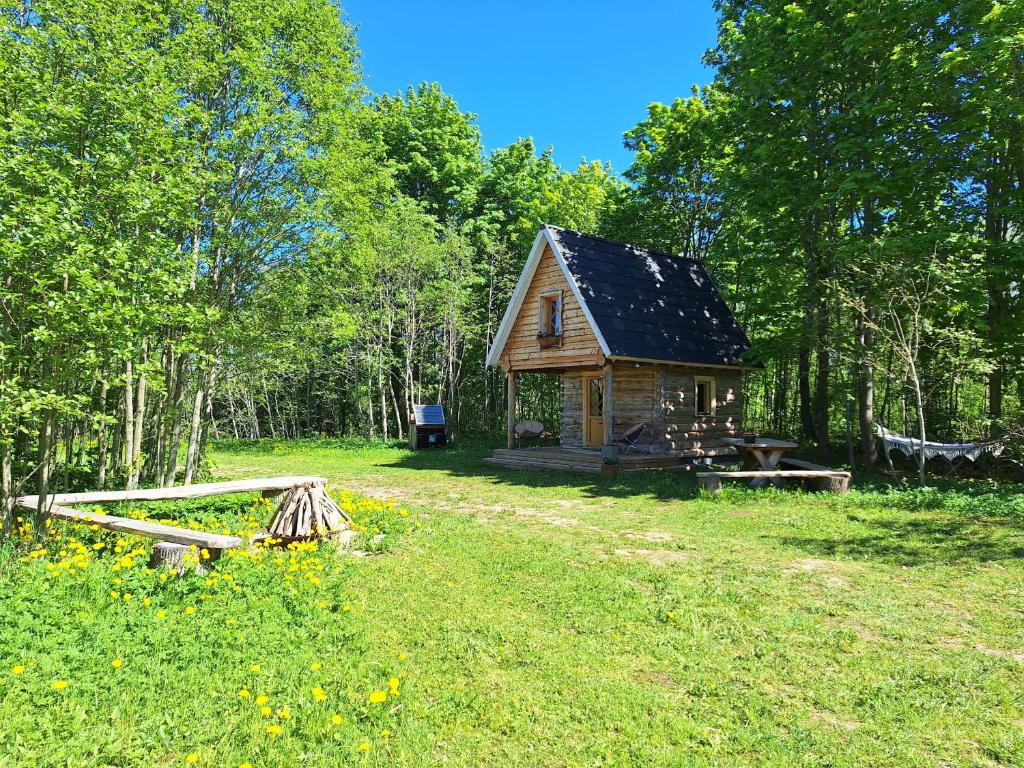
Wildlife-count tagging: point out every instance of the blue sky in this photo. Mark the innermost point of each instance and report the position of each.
(574, 75)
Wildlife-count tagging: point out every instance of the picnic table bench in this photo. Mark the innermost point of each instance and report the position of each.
(169, 536)
(836, 481)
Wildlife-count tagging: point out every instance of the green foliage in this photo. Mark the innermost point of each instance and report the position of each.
(270, 640)
(435, 149)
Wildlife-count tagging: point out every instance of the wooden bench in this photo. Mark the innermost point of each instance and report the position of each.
(171, 538)
(834, 481)
(801, 464)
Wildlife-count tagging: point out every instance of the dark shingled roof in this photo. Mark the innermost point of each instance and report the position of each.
(652, 305)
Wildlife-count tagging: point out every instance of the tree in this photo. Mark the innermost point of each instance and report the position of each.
(435, 148)
(675, 202)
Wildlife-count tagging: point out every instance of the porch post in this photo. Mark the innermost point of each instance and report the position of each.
(513, 378)
(609, 408)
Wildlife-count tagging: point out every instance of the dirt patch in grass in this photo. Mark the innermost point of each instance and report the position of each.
(862, 631)
(832, 720)
(954, 643)
(551, 518)
(648, 535)
(660, 679)
(744, 513)
(656, 556)
(829, 569)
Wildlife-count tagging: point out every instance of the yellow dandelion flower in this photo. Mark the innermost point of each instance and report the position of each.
(161, 613)
(244, 693)
(116, 663)
(337, 719)
(262, 699)
(245, 765)
(190, 610)
(318, 694)
(255, 668)
(346, 607)
(315, 666)
(385, 733)
(378, 697)
(274, 730)
(147, 601)
(60, 685)
(98, 546)
(18, 669)
(365, 746)
(393, 682)
(266, 711)
(192, 758)
(284, 713)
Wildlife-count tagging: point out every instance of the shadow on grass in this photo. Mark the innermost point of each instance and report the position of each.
(467, 460)
(916, 541)
(959, 522)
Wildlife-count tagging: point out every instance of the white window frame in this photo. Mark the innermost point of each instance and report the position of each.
(712, 397)
(542, 315)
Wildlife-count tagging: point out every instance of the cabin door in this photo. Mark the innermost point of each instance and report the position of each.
(593, 409)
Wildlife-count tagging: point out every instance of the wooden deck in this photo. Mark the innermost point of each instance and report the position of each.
(578, 460)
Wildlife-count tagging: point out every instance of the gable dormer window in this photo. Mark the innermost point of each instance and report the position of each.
(549, 320)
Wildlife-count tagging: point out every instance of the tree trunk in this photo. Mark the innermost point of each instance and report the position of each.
(128, 440)
(6, 491)
(178, 406)
(136, 433)
(919, 405)
(43, 462)
(866, 380)
(192, 452)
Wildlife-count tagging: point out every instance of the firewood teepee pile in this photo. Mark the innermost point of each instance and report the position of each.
(307, 512)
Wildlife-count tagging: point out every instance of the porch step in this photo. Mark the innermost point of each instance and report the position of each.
(541, 463)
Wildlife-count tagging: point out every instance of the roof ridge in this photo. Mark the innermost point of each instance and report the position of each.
(621, 244)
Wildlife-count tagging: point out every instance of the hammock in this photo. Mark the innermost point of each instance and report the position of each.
(950, 451)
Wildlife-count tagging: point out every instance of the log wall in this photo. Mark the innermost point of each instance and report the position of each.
(662, 396)
(682, 432)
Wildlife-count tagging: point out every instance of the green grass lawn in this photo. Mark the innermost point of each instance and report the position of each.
(542, 619)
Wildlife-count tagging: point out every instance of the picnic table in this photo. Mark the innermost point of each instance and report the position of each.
(764, 453)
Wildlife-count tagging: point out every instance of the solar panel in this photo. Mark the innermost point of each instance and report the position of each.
(429, 415)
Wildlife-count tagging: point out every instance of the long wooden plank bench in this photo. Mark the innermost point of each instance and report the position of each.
(214, 543)
(786, 461)
(835, 481)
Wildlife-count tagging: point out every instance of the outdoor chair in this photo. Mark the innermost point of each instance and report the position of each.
(528, 430)
(629, 440)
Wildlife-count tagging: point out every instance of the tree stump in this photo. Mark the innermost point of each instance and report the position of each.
(176, 558)
(712, 485)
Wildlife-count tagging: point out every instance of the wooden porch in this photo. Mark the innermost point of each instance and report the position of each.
(579, 460)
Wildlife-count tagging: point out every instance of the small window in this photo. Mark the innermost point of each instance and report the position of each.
(704, 401)
(549, 322)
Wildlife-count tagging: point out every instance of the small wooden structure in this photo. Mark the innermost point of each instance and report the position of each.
(427, 427)
(307, 512)
(634, 336)
(172, 540)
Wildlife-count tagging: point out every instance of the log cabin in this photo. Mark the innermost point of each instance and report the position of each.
(635, 337)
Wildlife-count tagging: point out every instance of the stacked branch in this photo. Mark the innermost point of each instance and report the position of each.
(307, 512)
